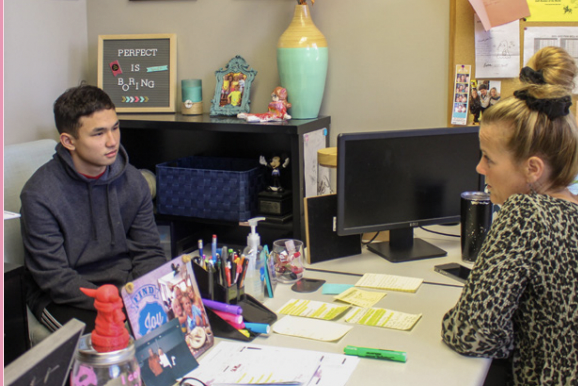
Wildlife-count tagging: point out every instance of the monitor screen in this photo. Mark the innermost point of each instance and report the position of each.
(400, 179)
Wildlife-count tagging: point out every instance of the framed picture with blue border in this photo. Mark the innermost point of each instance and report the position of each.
(233, 88)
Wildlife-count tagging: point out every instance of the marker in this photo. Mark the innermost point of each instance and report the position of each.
(398, 356)
(233, 319)
(200, 247)
(259, 328)
(245, 332)
(231, 308)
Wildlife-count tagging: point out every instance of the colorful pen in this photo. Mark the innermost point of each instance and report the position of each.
(200, 247)
(214, 247)
(398, 356)
(228, 274)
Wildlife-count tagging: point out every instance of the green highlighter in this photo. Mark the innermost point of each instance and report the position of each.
(398, 356)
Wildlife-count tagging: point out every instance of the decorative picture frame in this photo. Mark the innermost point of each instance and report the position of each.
(233, 88)
(139, 72)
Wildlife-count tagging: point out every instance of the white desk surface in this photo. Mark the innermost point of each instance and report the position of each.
(430, 361)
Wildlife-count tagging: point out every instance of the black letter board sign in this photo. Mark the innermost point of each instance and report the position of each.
(139, 72)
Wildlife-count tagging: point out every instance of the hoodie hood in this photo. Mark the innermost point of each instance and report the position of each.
(113, 172)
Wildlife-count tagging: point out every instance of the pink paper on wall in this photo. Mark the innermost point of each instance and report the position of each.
(493, 13)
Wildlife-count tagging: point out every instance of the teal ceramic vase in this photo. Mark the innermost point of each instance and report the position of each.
(302, 58)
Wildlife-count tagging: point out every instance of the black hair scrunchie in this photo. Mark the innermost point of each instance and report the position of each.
(552, 107)
(529, 75)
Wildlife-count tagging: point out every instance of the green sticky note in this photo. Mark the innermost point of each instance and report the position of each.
(335, 289)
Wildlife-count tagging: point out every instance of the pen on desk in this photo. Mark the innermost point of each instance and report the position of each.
(365, 352)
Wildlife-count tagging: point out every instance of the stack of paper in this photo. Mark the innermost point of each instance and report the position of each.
(312, 309)
(381, 317)
(389, 282)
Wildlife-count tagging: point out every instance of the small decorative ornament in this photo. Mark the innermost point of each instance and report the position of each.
(110, 333)
(277, 109)
(107, 355)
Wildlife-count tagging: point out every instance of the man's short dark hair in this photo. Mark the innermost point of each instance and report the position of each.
(482, 87)
(77, 102)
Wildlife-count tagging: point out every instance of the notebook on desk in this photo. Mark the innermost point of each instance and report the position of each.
(49, 362)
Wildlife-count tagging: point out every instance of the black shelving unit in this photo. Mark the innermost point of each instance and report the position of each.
(151, 139)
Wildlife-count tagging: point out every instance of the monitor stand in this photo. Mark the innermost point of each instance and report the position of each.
(403, 247)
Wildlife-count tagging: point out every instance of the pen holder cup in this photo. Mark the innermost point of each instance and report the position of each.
(253, 310)
(211, 289)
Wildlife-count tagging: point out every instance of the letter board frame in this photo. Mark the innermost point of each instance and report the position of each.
(139, 72)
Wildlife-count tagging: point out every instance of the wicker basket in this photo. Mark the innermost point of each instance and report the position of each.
(209, 187)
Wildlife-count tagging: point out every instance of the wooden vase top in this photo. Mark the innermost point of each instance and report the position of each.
(302, 33)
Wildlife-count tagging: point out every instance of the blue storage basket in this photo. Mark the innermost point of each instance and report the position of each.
(209, 187)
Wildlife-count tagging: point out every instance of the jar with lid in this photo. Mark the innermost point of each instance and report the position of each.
(114, 368)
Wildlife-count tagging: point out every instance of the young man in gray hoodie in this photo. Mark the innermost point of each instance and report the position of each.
(87, 215)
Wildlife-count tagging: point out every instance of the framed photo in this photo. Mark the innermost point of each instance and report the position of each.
(233, 88)
(139, 72)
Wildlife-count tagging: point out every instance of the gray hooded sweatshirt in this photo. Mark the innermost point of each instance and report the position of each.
(82, 232)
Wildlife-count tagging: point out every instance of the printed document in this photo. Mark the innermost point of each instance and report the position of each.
(322, 330)
(312, 309)
(360, 298)
(234, 362)
(497, 50)
(389, 282)
(380, 317)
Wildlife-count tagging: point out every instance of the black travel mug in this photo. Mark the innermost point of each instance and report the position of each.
(476, 218)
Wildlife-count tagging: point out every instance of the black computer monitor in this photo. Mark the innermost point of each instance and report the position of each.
(400, 179)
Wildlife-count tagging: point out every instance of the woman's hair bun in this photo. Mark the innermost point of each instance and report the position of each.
(556, 67)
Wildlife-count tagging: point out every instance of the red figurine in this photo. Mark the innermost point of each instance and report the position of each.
(277, 109)
(110, 333)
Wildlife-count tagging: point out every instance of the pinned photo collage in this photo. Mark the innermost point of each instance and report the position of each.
(483, 94)
(461, 93)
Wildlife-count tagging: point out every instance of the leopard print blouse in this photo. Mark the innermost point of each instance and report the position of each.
(521, 299)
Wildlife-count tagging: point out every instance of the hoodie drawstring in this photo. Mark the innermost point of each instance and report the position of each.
(110, 224)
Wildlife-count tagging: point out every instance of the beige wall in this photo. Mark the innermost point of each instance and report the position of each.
(387, 65)
(45, 52)
(387, 58)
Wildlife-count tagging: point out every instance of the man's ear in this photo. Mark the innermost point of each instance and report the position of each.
(535, 168)
(67, 141)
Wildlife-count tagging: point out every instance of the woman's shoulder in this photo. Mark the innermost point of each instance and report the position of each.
(538, 206)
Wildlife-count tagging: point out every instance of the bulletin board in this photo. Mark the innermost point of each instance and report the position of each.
(139, 72)
(463, 49)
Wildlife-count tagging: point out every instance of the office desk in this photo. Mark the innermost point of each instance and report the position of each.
(430, 361)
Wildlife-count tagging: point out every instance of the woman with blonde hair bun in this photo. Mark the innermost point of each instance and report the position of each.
(521, 299)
